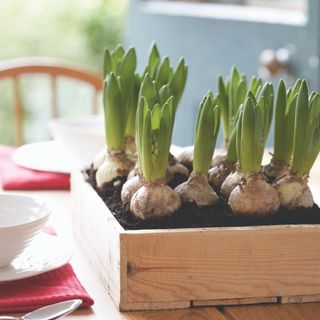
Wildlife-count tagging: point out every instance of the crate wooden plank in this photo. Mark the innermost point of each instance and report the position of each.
(223, 263)
(98, 234)
(300, 299)
(156, 269)
(306, 311)
(187, 314)
(127, 306)
(230, 302)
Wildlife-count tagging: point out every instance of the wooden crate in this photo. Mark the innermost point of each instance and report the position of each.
(181, 268)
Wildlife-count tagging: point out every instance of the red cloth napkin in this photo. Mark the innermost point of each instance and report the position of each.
(14, 177)
(36, 292)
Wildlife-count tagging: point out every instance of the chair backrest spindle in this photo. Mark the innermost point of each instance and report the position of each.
(18, 111)
(15, 68)
(94, 109)
(54, 97)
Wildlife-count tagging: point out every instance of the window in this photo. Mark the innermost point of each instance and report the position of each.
(280, 4)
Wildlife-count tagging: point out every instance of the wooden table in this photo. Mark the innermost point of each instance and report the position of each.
(104, 308)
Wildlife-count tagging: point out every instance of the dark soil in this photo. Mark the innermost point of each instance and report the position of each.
(190, 216)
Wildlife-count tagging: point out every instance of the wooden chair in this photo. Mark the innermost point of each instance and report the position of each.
(52, 67)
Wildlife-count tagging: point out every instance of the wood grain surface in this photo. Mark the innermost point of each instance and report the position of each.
(186, 314)
(274, 312)
(223, 263)
(104, 308)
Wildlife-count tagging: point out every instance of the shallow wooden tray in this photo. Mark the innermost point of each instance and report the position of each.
(181, 268)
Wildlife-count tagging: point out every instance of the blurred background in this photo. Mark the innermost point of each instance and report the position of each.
(75, 30)
(270, 38)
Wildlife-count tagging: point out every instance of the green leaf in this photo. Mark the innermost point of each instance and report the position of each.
(149, 91)
(164, 94)
(224, 106)
(301, 121)
(241, 92)
(154, 54)
(297, 87)
(312, 127)
(107, 63)
(248, 140)
(153, 61)
(255, 85)
(280, 117)
(178, 81)
(232, 147)
(130, 127)
(147, 163)
(163, 73)
(207, 127)
(288, 131)
(114, 116)
(266, 105)
(116, 56)
(128, 80)
(128, 65)
(238, 135)
(156, 116)
(140, 115)
(198, 115)
(165, 137)
(235, 78)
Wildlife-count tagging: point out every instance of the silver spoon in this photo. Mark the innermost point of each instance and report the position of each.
(51, 312)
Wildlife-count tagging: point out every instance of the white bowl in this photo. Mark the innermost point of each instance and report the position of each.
(21, 219)
(82, 136)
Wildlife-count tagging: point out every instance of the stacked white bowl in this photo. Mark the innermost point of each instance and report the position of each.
(82, 136)
(21, 219)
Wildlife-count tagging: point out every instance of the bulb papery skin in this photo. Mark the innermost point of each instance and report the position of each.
(218, 159)
(294, 192)
(219, 172)
(174, 167)
(129, 188)
(228, 185)
(254, 197)
(185, 157)
(275, 169)
(197, 190)
(154, 200)
(130, 147)
(134, 172)
(99, 158)
(115, 164)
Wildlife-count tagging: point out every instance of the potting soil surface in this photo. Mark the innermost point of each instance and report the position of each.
(190, 216)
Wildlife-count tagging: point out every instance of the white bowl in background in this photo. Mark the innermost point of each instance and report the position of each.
(21, 219)
(82, 136)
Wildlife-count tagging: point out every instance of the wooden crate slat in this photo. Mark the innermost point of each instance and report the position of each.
(98, 234)
(154, 305)
(300, 299)
(186, 314)
(231, 302)
(156, 269)
(223, 263)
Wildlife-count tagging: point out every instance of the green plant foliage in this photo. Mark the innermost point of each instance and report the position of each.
(206, 133)
(284, 121)
(119, 71)
(253, 123)
(232, 93)
(169, 81)
(114, 113)
(306, 141)
(154, 126)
